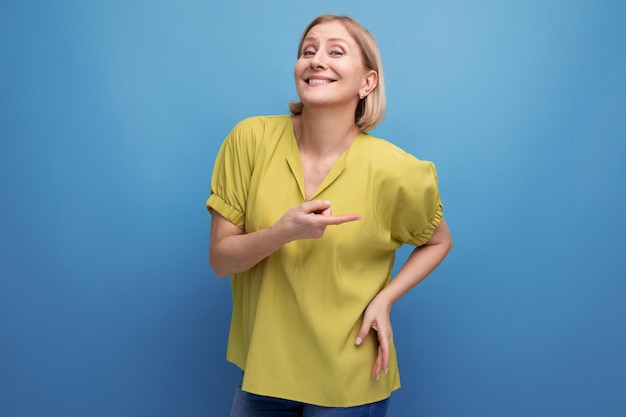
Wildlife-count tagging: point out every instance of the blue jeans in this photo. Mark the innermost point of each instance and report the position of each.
(246, 404)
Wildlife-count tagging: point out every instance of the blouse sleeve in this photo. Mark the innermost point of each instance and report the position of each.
(418, 209)
(232, 172)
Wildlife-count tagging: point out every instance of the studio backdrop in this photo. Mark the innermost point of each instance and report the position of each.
(111, 115)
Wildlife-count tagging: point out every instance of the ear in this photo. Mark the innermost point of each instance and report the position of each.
(369, 82)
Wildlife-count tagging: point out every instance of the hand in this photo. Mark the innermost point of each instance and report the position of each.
(376, 316)
(309, 220)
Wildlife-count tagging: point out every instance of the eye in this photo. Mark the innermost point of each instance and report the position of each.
(336, 52)
(308, 52)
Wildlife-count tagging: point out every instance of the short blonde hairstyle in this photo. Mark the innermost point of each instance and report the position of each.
(370, 111)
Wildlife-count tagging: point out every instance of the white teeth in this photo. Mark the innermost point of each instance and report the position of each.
(318, 81)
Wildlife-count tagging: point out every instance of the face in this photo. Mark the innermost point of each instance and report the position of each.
(330, 70)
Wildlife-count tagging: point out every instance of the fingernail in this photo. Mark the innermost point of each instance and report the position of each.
(377, 377)
(386, 370)
(358, 341)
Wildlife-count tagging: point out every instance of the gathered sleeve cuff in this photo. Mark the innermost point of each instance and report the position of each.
(423, 237)
(229, 212)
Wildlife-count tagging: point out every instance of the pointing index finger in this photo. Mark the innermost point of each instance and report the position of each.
(338, 219)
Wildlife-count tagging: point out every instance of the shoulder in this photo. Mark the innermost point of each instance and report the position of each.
(256, 129)
(262, 123)
(391, 158)
(257, 135)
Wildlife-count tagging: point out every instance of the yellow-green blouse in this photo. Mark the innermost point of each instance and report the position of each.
(296, 314)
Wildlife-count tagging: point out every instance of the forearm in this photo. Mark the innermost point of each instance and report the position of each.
(238, 253)
(422, 261)
(419, 265)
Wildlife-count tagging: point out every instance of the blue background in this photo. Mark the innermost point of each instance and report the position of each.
(111, 113)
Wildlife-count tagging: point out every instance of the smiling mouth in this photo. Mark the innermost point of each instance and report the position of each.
(318, 81)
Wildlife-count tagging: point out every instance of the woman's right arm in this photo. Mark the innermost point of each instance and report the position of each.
(232, 251)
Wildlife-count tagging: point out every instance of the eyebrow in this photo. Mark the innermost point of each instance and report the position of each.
(331, 40)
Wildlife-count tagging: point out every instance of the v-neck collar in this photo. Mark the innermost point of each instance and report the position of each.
(295, 164)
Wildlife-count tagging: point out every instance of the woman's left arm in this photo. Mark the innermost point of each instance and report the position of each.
(422, 261)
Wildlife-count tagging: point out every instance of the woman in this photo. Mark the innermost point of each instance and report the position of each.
(312, 290)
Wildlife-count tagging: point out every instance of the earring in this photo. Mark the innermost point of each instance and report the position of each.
(362, 96)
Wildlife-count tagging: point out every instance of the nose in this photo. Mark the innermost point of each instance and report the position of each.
(318, 61)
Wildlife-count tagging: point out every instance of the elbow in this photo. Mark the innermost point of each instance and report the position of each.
(449, 245)
(217, 268)
(219, 272)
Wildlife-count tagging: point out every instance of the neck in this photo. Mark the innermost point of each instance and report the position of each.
(325, 131)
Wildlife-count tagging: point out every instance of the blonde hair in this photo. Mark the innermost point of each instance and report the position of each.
(370, 111)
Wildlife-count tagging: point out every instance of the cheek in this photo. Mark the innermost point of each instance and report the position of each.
(298, 72)
(296, 77)
(299, 67)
